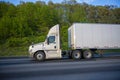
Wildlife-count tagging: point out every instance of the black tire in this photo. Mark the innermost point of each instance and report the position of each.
(76, 54)
(40, 56)
(87, 54)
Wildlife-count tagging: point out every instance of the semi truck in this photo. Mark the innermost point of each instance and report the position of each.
(83, 40)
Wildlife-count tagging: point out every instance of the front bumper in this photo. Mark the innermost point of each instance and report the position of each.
(31, 55)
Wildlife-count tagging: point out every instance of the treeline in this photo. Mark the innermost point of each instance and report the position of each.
(29, 22)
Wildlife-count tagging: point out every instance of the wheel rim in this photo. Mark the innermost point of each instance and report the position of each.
(76, 55)
(39, 56)
(87, 54)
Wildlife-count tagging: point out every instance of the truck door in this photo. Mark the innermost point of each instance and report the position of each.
(51, 43)
(51, 47)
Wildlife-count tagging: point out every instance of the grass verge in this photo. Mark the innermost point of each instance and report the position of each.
(14, 51)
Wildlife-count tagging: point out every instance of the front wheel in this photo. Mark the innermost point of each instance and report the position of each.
(87, 54)
(76, 54)
(39, 56)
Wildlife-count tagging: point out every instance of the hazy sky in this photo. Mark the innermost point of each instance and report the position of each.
(93, 2)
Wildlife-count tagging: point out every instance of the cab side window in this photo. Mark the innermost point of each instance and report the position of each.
(51, 39)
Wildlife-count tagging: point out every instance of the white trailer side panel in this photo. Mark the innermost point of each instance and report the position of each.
(100, 36)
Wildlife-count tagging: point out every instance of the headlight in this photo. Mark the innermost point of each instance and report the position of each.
(30, 50)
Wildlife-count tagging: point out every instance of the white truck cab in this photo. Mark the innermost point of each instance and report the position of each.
(48, 49)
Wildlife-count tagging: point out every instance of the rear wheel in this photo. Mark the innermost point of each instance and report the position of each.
(76, 54)
(40, 56)
(87, 54)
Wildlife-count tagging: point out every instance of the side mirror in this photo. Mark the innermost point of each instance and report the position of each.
(32, 44)
(48, 41)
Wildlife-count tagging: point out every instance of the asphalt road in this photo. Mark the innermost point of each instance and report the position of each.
(106, 68)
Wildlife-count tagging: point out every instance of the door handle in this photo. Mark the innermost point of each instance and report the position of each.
(55, 47)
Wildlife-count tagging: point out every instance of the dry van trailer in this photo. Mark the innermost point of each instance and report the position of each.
(87, 37)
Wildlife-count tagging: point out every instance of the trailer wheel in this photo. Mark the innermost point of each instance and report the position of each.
(87, 54)
(39, 56)
(76, 54)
